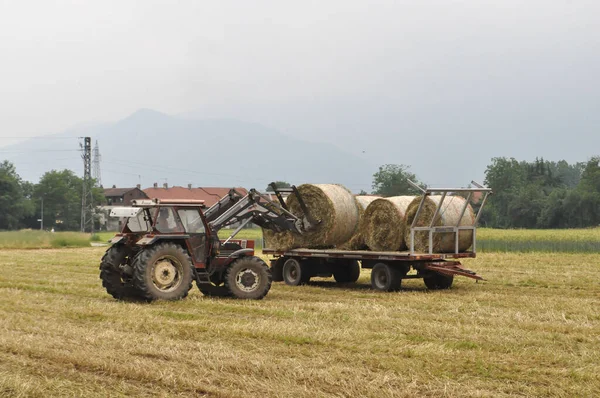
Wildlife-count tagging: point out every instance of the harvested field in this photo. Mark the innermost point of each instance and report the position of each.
(532, 329)
(385, 223)
(449, 215)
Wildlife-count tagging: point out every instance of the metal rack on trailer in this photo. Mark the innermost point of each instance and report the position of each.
(297, 266)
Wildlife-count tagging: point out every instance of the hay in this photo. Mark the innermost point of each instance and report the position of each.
(278, 241)
(448, 216)
(384, 223)
(357, 241)
(333, 204)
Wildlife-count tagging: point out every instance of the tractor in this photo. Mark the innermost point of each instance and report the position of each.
(166, 245)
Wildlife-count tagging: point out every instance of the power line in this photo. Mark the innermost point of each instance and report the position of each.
(40, 138)
(161, 168)
(43, 150)
(122, 172)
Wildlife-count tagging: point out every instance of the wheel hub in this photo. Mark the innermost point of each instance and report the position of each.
(247, 280)
(381, 279)
(293, 274)
(165, 274)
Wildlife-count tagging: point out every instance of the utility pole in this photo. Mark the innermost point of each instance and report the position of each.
(87, 205)
(41, 220)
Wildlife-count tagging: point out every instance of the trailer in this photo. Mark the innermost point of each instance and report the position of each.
(388, 269)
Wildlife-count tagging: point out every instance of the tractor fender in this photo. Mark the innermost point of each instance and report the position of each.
(240, 253)
(115, 240)
(150, 239)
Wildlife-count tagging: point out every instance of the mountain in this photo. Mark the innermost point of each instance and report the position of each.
(151, 147)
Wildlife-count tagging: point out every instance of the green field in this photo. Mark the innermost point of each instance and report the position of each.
(488, 240)
(32, 239)
(531, 329)
(531, 240)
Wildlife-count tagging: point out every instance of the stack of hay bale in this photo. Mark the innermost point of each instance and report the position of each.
(371, 223)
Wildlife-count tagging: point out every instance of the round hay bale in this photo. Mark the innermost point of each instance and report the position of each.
(279, 241)
(384, 223)
(448, 216)
(357, 241)
(335, 206)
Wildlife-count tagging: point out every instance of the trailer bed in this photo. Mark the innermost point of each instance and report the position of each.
(367, 255)
(297, 266)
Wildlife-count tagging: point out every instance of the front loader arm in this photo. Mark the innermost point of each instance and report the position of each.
(223, 205)
(262, 211)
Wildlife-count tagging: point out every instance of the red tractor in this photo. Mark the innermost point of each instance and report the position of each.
(165, 245)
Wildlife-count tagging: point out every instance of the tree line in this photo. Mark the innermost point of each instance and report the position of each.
(58, 193)
(538, 194)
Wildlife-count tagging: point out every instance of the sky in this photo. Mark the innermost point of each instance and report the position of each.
(421, 83)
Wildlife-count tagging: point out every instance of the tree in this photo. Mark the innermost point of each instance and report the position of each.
(61, 192)
(279, 184)
(392, 180)
(13, 207)
(590, 177)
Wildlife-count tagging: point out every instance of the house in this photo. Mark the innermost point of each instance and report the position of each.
(210, 195)
(123, 196)
(116, 197)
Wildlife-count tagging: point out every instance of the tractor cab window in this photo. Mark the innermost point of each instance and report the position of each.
(140, 223)
(167, 222)
(191, 220)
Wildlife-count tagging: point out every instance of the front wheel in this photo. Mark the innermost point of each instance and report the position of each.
(163, 272)
(248, 278)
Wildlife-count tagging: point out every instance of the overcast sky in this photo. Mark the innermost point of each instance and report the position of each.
(365, 75)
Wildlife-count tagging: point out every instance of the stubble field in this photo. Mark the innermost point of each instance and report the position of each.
(531, 329)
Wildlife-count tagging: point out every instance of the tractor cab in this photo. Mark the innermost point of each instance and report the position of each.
(151, 220)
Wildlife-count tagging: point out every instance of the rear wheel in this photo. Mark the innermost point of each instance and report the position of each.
(163, 272)
(437, 281)
(112, 273)
(347, 272)
(385, 278)
(295, 273)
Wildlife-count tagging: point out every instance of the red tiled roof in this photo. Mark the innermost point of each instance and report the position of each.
(210, 195)
(117, 191)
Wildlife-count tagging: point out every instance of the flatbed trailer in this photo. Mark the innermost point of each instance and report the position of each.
(388, 269)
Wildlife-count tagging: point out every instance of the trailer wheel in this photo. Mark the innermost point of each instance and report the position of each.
(277, 269)
(385, 278)
(114, 280)
(295, 273)
(163, 272)
(248, 278)
(437, 281)
(347, 272)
